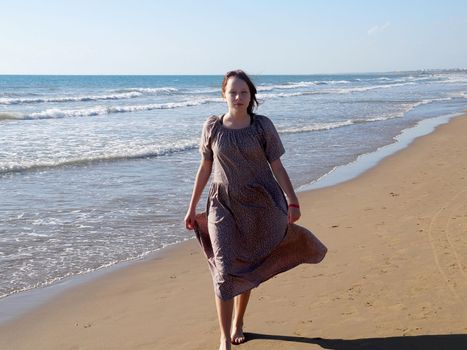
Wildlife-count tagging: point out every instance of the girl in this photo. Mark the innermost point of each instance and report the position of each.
(247, 232)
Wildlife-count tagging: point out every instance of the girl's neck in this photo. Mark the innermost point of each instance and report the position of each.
(237, 116)
(236, 121)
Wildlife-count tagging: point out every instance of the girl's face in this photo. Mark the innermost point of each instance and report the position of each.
(237, 94)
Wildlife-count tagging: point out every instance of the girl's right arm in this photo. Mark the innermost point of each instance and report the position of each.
(202, 177)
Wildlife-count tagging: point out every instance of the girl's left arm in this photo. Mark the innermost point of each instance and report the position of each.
(284, 181)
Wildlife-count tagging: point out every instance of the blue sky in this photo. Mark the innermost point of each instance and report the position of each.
(211, 37)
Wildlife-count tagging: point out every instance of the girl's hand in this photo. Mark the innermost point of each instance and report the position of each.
(190, 219)
(293, 214)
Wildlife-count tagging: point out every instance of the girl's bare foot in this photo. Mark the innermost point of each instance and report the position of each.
(225, 344)
(237, 335)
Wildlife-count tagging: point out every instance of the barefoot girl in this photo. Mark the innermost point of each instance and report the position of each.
(247, 232)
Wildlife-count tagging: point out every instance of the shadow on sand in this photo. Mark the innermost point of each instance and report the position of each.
(419, 342)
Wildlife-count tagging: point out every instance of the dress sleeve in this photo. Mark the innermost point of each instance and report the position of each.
(205, 141)
(272, 143)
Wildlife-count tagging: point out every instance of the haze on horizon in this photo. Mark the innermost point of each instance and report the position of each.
(211, 37)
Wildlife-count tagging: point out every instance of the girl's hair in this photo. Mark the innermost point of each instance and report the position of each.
(242, 75)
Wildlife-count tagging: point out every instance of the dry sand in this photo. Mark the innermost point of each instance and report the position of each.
(395, 276)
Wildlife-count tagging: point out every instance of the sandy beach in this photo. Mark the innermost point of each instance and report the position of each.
(395, 276)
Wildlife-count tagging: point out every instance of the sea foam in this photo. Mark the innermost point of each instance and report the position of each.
(55, 113)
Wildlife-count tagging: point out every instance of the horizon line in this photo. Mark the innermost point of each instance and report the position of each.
(221, 74)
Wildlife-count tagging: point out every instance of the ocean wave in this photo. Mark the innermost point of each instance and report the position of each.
(56, 113)
(291, 85)
(397, 79)
(300, 84)
(117, 96)
(458, 94)
(456, 79)
(314, 127)
(407, 107)
(338, 91)
(203, 91)
(368, 88)
(151, 151)
(338, 124)
(114, 95)
(284, 94)
(150, 91)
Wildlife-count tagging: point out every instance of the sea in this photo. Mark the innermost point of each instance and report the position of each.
(98, 170)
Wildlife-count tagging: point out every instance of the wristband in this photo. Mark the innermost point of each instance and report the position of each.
(294, 206)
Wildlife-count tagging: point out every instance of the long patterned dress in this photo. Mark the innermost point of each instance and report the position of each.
(244, 233)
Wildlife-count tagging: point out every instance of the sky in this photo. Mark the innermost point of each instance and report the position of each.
(213, 36)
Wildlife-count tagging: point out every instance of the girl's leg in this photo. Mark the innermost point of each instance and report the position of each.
(241, 302)
(224, 314)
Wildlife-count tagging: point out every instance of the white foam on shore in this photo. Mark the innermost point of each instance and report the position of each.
(56, 113)
(23, 301)
(138, 152)
(338, 91)
(338, 124)
(364, 162)
(156, 150)
(116, 95)
(150, 91)
(26, 100)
